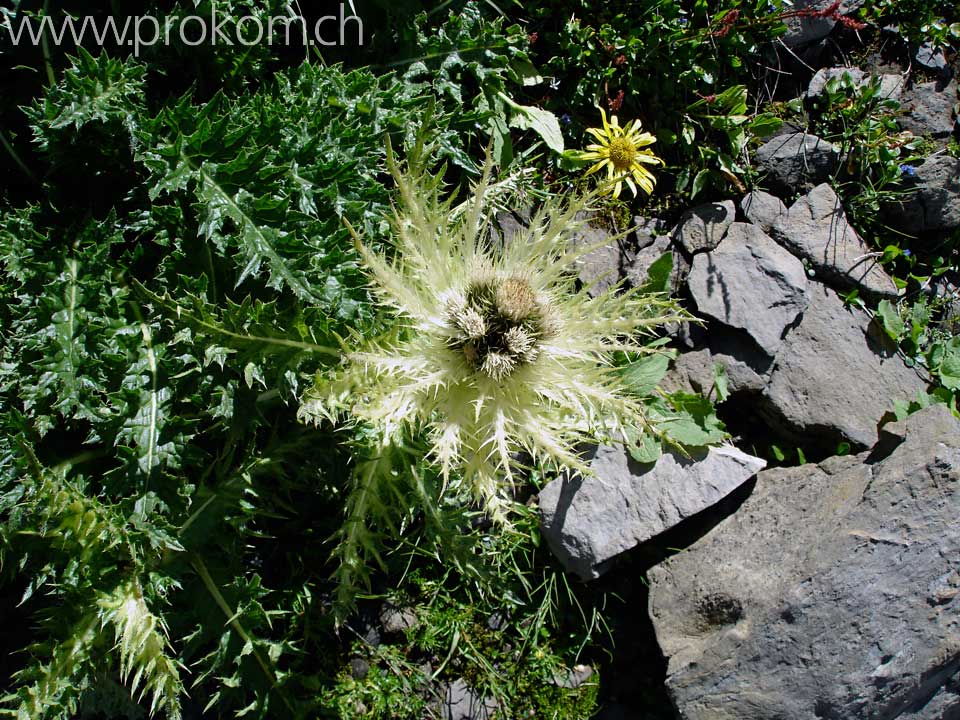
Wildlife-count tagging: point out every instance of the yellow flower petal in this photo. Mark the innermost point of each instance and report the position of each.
(596, 167)
(598, 134)
(648, 158)
(606, 125)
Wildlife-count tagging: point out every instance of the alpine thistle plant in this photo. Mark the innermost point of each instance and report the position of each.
(496, 353)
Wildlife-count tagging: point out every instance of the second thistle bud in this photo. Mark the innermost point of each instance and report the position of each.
(516, 299)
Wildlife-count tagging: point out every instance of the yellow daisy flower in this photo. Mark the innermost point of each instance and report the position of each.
(619, 149)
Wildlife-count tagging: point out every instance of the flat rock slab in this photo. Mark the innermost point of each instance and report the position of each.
(750, 282)
(602, 267)
(762, 209)
(891, 86)
(703, 227)
(815, 229)
(833, 375)
(928, 109)
(461, 702)
(935, 205)
(807, 30)
(832, 593)
(588, 521)
(797, 159)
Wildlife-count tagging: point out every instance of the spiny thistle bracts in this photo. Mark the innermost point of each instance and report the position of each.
(495, 351)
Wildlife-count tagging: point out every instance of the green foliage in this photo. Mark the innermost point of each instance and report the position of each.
(605, 55)
(861, 121)
(684, 421)
(512, 632)
(469, 62)
(920, 21)
(174, 275)
(714, 132)
(921, 330)
(184, 269)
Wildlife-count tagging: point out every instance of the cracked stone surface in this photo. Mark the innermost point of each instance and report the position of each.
(798, 159)
(936, 203)
(833, 592)
(588, 521)
(834, 375)
(750, 282)
(815, 228)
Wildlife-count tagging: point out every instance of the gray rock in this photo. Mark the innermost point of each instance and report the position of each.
(891, 86)
(750, 282)
(929, 109)
(694, 372)
(824, 75)
(460, 702)
(600, 269)
(395, 619)
(931, 57)
(509, 224)
(572, 678)
(652, 239)
(762, 209)
(587, 521)
(648, 231)
(359, 668)
(638, 271)
(832, 593)
(806, 30)
(638, 267)
(703, 227)
(833, 377)
(936, 203)
(815, 229)
(795, 160)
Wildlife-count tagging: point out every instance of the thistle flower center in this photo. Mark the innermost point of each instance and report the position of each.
(497, 325)
(622, 153)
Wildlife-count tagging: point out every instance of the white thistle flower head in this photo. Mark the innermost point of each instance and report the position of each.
(496, 350)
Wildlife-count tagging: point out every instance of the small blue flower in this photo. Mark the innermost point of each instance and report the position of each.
(683, 20)
(908, 170)
(566, 119)
(906, 252)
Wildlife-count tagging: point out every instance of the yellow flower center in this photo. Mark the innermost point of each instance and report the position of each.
(622, 154)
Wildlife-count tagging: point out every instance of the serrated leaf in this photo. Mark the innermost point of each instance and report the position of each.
(949, 368)
(687, 420)
(542, 122)
(645, 448)
(890, 320)
(642, 376)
